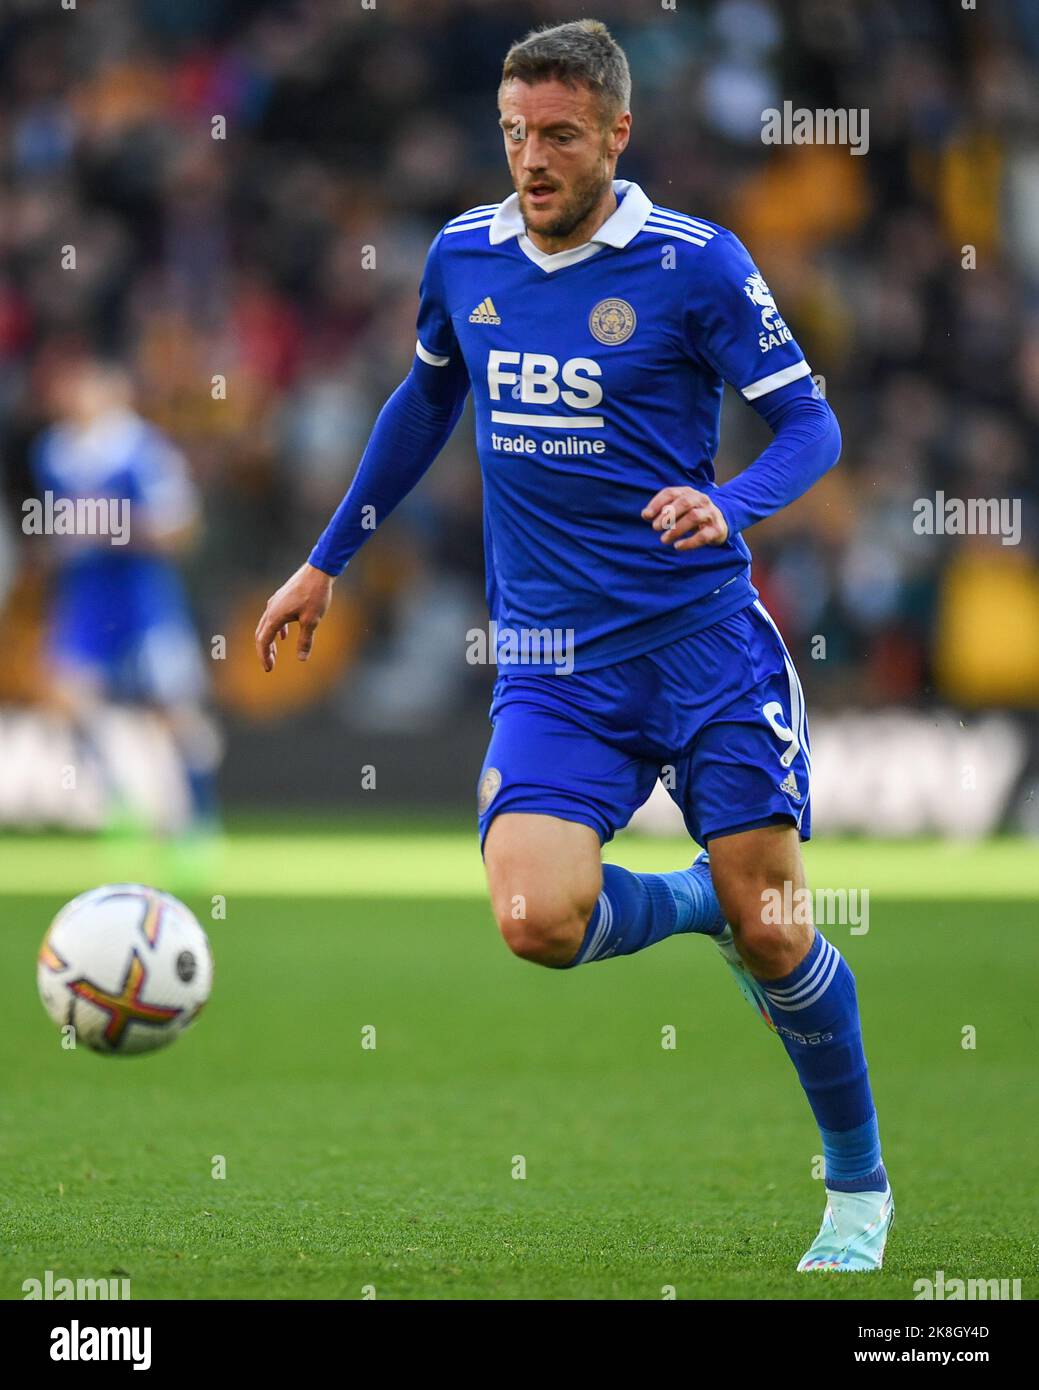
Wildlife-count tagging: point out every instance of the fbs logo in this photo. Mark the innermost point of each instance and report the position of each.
(485, 313)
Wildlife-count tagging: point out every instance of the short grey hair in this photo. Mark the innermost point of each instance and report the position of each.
(583, 51)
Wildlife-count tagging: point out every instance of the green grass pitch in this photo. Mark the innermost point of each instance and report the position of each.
(646, 1168)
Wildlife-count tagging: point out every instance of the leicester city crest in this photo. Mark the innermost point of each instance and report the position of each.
(612, 321)
(488, 789)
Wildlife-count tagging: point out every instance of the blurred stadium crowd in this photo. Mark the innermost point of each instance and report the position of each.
(353, 133)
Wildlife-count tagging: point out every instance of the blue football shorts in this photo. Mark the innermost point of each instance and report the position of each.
(718, 716)
(157, 663)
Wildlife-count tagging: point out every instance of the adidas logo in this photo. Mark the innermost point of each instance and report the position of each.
(485, 313)
(789, 785)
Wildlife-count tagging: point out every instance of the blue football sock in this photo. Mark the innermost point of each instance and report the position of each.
(202, 786)
(695, 898)
(634, 911)
(816, 1013)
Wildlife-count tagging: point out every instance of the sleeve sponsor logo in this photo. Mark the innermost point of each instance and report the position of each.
(773, 329)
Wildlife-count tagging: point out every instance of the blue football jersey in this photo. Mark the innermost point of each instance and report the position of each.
(105, 587)
(597, 377)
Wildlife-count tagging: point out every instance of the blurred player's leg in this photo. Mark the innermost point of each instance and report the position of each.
(169, 674)
(199, 746)
(78, 693)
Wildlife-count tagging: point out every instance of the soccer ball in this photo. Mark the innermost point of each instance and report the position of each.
(126, 966)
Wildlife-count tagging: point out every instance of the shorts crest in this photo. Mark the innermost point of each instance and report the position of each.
(490, 784)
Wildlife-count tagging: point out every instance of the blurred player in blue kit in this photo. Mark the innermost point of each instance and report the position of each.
(121, 629)
(596, 331)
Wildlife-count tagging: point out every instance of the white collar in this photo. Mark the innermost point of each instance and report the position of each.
(618, 229)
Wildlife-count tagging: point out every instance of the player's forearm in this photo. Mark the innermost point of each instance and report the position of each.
(807, 444)
(412, 428)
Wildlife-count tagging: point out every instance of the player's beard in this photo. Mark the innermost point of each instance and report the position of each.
(583, 198)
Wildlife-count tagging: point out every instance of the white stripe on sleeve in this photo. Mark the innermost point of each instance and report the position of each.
(430, 357)
(776, 380)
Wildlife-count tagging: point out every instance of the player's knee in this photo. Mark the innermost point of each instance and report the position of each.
(770, 940)
(545, 934)
(764, 946)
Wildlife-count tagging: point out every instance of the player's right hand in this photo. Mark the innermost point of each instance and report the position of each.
(303, 599)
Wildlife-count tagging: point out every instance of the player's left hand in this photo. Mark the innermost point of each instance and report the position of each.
(682, 511)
